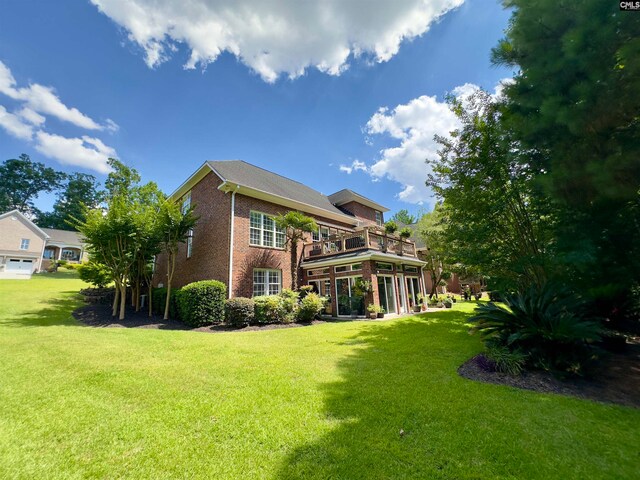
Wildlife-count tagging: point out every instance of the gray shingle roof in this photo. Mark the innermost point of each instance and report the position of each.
(62, 236)
(247, 175)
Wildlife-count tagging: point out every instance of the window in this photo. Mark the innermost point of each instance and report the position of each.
(321, 234)
(72, 255)
(266, 282)
(410, 269)
(24, 244)
(348, 268)
(379, 221)
(384, 266)
(189, 243)
(186, 202)
(263, 231)
(318, 271)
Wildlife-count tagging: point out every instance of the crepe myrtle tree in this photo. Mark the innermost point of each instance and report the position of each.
(296, 225)
(175, 226)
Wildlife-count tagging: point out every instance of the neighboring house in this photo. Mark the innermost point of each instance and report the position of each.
(25, 248)
(63, 245)
(236, 240)
(21, 245)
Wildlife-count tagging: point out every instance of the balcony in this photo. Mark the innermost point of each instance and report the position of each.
(368, 238)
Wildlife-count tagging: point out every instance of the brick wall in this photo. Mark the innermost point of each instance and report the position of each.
(366, 214)
(210, 249)
(246, 257)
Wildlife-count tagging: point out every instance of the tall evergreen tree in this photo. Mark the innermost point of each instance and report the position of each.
(575, 106)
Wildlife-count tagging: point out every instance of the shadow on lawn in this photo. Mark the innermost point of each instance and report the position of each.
(400, 406)
(51, 312)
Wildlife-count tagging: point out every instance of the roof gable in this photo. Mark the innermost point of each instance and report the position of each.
(21, 217)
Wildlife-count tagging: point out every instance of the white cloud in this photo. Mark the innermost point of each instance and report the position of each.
(27, 123)
(14, 125)
(85, 152)
(41, 99)
(354, 167)
(274, 37)
(34, 118)
(414, 126)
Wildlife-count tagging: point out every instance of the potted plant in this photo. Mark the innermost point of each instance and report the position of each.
(390, 227)
(421, 301)
(447, 303)
(373, 311)
(381, 312)
(405, 233)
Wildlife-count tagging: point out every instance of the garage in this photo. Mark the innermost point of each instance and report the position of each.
(20, 266)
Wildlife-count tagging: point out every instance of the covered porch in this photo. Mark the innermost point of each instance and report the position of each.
(352, 282)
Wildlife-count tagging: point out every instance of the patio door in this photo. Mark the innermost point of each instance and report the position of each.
(387, 293)
(348, 302)
(414, 290)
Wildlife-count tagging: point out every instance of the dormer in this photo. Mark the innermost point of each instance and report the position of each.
(359, 206)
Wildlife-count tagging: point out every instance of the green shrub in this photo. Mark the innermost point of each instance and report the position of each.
(239, 311)
(548, 324)
(159, 300)
(202, 303)
(96, 274)
(505, 360)
(289, 304)
(311, 306)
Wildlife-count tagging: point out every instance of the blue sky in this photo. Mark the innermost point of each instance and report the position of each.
(324, 128)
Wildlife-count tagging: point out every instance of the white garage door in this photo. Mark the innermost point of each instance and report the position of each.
(16, 265)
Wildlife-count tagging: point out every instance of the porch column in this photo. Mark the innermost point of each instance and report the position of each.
(59, 253)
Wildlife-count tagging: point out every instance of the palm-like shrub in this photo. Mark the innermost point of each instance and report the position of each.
(548, 324)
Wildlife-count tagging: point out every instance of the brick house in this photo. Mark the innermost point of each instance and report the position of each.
(237, 242)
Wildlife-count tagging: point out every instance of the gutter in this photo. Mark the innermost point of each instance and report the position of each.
(233, 208)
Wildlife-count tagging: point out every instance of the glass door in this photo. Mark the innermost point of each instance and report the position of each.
(348, 301)
(387, 294)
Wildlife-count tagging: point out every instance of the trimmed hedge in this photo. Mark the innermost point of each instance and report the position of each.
(239, 311)
(202, 303)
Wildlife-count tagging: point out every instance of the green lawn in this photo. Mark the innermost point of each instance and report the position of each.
(326, 401)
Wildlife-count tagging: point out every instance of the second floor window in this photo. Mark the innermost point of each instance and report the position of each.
(321, 234)
(24, 244)
(186, 202)
(379, 218)
(263, 231)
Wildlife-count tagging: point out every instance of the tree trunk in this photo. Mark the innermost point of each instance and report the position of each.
(294, 265)
(150, 300)
(116, 298)
(123, 299)
(169, 276)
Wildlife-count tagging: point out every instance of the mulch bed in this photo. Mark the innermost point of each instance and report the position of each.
(100, 316)
(617, 381)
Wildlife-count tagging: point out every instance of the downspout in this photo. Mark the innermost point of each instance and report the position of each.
(233, 208)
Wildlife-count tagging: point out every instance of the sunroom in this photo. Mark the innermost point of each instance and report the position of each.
(353, 281)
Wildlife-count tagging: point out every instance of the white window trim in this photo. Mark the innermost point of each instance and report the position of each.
(266, 283)
(323, 233)
(380, 222)
(190, 243)
(275, 231)
(22, 243)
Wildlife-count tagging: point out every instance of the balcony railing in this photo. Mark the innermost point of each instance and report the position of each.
(368, 238)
